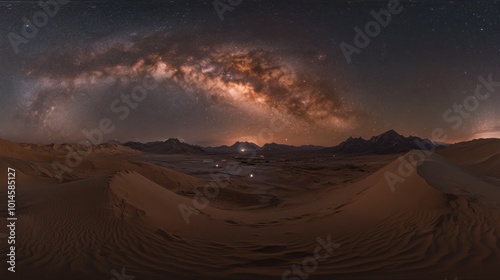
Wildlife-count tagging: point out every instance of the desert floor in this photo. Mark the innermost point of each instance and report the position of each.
(121, 209)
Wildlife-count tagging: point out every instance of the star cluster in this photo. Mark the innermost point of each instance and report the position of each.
(255, 79)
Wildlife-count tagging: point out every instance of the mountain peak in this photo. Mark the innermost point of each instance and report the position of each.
(391, 132)
(169, 146)
(351, 139)
(390, 135)
(386, 143)
(173, 140)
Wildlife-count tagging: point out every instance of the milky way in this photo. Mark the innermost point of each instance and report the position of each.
(252, 78)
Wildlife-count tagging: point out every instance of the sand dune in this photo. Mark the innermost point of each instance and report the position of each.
(488, 167)
(8, 148)
(472, 152)
(122, 211)
(482, 157)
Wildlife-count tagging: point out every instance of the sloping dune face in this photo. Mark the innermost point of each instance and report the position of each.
(119, 212)
(8, 148)
(488, 167)
(472, 152)
(482, 157)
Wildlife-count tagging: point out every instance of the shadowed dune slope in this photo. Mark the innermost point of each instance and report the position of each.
(442, 221)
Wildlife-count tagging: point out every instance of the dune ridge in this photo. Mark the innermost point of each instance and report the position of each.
(122, 211)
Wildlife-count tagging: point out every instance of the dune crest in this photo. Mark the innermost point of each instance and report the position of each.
(123, 211)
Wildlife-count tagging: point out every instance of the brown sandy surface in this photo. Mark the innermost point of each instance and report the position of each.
(120, 208)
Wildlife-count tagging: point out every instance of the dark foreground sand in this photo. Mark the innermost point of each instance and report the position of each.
(120, 209)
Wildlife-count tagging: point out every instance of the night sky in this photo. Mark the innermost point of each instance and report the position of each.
(209, 81)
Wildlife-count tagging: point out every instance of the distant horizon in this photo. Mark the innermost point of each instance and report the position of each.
(247, 141)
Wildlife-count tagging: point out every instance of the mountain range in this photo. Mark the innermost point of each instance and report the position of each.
(168, 147)
(389, 142)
